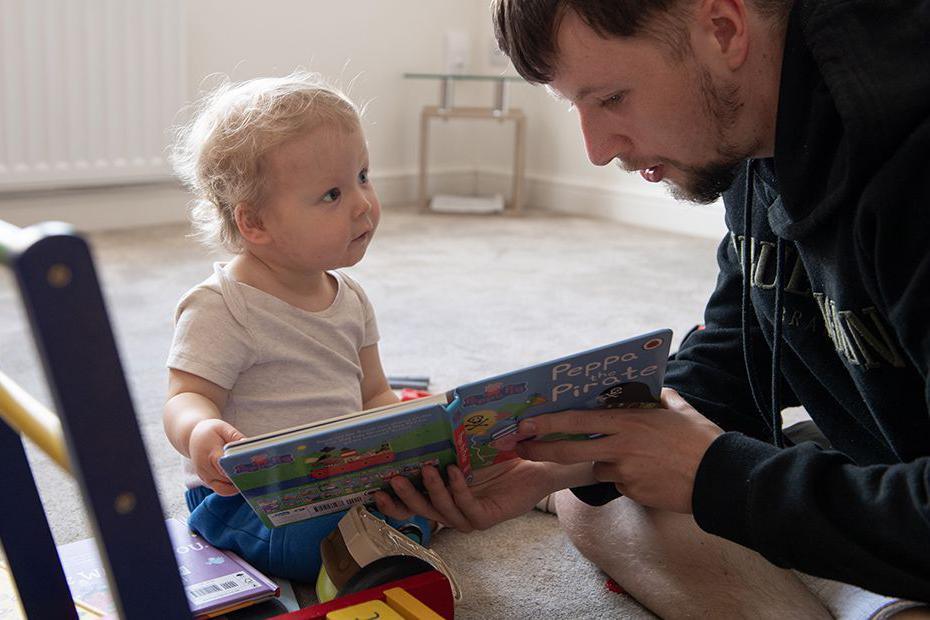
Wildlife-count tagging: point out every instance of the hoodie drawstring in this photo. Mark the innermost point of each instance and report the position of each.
(774, 419)
(777, 343)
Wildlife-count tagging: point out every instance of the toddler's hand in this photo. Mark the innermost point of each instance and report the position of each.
(206, 447)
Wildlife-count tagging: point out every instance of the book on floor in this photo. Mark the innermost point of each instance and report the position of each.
(330, 465)
(11, 609)
(215, 581)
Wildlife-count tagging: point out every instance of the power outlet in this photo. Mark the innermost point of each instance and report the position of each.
(456, 51)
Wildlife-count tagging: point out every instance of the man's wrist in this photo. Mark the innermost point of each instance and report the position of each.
(569, 476)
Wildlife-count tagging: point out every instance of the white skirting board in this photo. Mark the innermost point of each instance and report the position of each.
(454, 203)
(128, 206)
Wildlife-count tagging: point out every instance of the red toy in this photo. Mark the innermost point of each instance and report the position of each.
(412, 394)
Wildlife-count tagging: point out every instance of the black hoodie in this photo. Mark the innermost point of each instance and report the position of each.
(845, 204)
(847, 197)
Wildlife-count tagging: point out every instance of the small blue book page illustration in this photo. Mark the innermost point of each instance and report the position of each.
(626, 374)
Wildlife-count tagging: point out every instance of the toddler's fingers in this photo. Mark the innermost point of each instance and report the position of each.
(218, 472)
(222, 487)
(231, 434)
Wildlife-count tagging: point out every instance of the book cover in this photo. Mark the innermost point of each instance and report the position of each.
(331, 465)
(215, 581)
(328, 468)
(626, 374)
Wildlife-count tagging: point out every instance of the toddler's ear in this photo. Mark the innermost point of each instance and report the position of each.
(249, 223)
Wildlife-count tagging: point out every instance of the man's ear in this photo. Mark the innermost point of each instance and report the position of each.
(249, 223)
(723, 26)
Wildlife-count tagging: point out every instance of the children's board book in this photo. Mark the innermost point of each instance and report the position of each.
(216, 582)
(330, 465)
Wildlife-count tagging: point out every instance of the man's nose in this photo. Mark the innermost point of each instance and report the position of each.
(601, 142)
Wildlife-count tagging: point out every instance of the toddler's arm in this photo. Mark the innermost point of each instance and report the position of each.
(192, 423)
(376, 391)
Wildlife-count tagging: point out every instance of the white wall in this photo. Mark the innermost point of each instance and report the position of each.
(370, 44)
(375, 42)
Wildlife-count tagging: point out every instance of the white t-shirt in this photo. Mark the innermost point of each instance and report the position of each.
(282, 365)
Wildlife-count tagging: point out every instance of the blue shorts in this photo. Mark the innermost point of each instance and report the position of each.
(290, 551)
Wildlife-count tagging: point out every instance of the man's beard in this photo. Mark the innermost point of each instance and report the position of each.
(705, 183)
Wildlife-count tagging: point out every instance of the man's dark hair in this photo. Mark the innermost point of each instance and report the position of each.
(526, 29)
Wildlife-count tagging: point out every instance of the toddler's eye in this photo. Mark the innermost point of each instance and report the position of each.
(332, 195)
(363, 176)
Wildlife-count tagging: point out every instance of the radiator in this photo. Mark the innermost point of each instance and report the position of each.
(89, 90)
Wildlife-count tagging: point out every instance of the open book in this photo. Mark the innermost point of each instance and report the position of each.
(330, 465)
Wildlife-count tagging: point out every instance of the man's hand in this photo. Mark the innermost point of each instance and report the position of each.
(512, 489)
(651, 455)
(206, 448)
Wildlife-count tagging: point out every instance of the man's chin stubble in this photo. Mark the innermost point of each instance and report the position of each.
(705, 185)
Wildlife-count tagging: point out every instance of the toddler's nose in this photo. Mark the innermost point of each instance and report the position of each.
(363, 207)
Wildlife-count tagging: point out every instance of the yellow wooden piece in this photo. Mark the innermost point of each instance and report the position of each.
(409, 606)
(28, 416)
(370, 610)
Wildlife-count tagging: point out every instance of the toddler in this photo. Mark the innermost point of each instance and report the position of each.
(276, 336)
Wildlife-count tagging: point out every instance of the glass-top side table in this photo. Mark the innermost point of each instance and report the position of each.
(500, 111)
(447, 86)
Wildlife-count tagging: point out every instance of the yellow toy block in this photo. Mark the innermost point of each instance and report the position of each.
(370, 610)
(409, 606)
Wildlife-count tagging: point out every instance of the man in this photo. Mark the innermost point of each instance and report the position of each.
(812, 119)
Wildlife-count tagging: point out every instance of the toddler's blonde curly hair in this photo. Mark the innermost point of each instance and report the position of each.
(219, 154)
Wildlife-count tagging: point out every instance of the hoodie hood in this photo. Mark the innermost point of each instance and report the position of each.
(845, 104)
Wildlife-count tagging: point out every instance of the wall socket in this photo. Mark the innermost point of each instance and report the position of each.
(456, 51)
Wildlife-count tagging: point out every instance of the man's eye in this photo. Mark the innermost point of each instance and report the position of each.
(363, 176)
(332, 195)
(612, 100)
